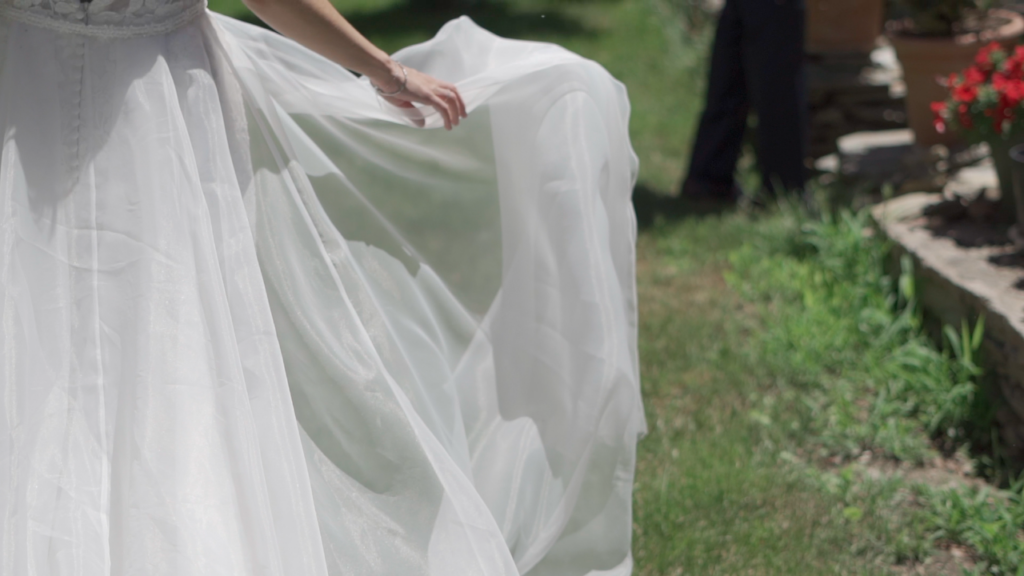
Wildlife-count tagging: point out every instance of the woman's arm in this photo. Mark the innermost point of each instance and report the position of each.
(317, 25)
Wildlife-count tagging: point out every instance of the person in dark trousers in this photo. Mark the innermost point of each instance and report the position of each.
(757, 63)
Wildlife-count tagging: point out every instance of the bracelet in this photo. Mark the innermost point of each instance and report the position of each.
(401, 87)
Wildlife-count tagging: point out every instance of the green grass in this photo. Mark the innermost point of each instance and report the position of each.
(794, 394)
(714, 496)
(847, 345)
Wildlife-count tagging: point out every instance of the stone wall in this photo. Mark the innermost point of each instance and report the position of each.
(955, 283)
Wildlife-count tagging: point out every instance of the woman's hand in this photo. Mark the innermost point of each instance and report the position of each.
(318, 26)
(422, 89)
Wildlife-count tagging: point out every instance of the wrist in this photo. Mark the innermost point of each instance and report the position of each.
(390, 76)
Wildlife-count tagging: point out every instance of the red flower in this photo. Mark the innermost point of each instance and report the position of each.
(990, 90)
(1015, 90)
(965, 94)
(1012, 92)
(1014, 65)
(984, 57)
(999, 82)
(974, 76)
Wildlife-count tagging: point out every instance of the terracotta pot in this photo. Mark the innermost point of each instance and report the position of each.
(835, 26)
(927, 61)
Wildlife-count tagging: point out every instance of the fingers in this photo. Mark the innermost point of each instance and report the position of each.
(452, 102)
(460, 103)
(442, 96)
(441, 107)
(445, 107)
(445, 101)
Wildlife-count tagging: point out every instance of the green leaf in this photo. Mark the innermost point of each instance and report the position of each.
(979, 333)
(965, 343)
(954, 340)
(853, 513)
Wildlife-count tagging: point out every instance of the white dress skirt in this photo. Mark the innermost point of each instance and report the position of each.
(254, 322)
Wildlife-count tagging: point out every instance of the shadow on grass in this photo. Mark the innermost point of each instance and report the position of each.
(502, 19)
(654, 207)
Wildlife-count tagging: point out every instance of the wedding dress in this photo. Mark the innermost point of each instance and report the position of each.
(254, 322)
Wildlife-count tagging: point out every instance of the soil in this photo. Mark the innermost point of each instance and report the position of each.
(969, 233)
(957, 470)
(1011, 259)
(974, 223)
(949, 560)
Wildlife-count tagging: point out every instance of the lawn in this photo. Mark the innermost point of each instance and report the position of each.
(785, 376)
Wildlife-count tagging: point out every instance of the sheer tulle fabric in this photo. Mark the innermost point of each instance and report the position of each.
(254, 322)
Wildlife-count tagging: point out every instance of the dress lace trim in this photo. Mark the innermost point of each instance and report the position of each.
(79, 18)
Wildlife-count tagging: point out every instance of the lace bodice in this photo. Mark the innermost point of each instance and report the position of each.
(106, 18)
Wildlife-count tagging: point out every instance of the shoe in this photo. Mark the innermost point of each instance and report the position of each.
(706, 197)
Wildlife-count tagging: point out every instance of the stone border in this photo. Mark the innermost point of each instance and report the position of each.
(954, 283)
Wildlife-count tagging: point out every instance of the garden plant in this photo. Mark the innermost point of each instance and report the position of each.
(984, 100)
(984, 104)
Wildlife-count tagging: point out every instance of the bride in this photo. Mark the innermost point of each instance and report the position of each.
(256, 320)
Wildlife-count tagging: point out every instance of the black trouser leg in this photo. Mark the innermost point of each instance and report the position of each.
(774, 62)
(720, 134)
(757, 62)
